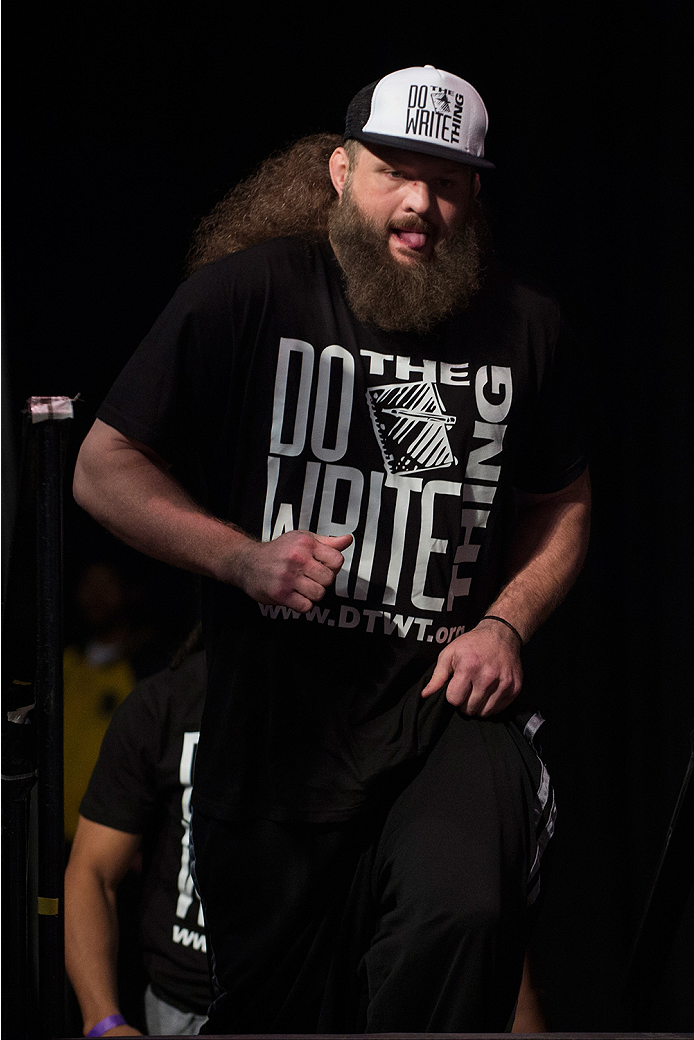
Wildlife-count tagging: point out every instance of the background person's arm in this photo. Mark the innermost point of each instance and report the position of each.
(99, 858)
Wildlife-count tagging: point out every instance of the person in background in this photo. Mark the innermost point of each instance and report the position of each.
(138, 803)
(98, 675)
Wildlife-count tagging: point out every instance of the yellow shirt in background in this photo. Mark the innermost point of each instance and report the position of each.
(94, 686)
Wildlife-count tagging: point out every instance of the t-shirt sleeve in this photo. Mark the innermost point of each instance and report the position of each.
(122, 791)
(550, 450)
(164, 393)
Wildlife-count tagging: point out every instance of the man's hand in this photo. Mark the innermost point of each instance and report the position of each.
(293, 570)
(546, 552)
(483, 667)
(122, 1031)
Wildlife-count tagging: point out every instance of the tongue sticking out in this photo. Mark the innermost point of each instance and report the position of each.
(413, 239)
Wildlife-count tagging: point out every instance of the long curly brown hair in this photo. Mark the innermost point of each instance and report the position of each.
(289, 194)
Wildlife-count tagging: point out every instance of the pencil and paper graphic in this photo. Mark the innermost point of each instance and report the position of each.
(411, 426)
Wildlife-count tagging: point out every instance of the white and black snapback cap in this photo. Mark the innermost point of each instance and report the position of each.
(422, 109)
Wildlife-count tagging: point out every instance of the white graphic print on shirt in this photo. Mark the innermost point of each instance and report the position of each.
(186, 889)
(422, 424)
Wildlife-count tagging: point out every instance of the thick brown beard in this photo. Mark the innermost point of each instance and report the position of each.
(404, 297)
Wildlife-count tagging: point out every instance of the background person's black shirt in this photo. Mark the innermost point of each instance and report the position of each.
(141, 784)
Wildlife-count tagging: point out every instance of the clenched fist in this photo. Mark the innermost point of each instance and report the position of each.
(293, 570)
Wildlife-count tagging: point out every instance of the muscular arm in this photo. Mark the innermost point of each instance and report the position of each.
(128, 489)
(99, 858)
(546, 553)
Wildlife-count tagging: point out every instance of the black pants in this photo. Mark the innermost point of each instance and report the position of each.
(415, 921)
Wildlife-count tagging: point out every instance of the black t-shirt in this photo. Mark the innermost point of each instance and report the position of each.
(302, 417)
(141, 784)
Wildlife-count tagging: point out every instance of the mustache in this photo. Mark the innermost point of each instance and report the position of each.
(412, 223)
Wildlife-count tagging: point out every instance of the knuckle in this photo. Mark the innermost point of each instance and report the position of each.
(474, 660)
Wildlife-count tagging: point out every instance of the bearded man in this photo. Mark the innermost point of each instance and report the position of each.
(394, 496)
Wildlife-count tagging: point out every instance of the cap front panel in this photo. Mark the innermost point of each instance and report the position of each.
(431, 107)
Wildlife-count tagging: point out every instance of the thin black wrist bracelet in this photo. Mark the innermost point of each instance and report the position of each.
(493, 617)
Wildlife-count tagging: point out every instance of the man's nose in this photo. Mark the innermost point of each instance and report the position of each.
(419, 197)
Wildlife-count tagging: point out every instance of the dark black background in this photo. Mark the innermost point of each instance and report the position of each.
(125, 124)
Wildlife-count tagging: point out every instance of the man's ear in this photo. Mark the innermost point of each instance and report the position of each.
(339, 166)
(476, 185)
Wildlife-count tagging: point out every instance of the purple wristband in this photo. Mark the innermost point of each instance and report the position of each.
(107, 1023)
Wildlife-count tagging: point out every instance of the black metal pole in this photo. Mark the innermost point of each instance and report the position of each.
(15, 844)
(665, 907)
(19, 753)
(49, 702)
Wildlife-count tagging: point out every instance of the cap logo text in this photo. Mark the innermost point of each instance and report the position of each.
(434, 112)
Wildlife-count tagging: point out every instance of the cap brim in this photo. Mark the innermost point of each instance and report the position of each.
(423, 147)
